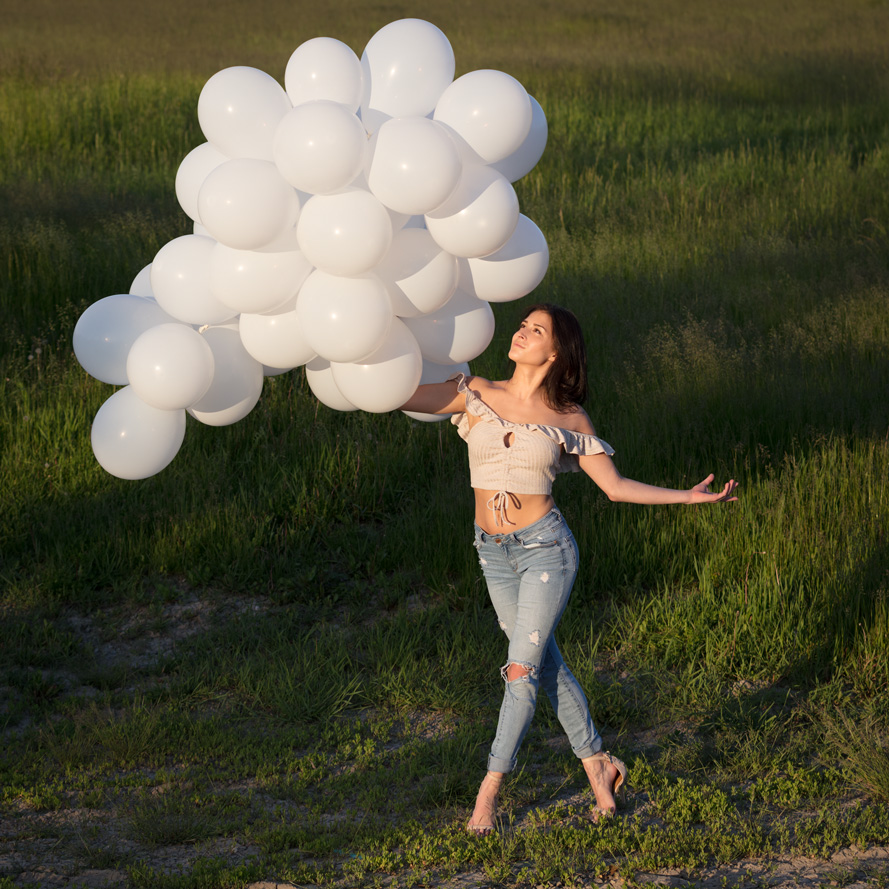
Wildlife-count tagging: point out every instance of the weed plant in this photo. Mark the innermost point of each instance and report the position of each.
(276, 657)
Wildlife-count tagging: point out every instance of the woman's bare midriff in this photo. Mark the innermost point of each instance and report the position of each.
(520, 511)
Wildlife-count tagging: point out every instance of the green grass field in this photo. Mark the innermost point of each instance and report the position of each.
(275, 659)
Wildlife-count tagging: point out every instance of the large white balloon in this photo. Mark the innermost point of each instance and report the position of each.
(479, 217)
(106, 331)
(525, 157)
(419, 275)
(239, 110)
(319, 375)
(170, 366)
(490, 110)
(141, 285)
(360, 222)
(275, 340)
(319, 146)
(247, 204)
(324, 68)
(386, 379)
(286, 242)
(437, 373)
(193, 171)
(511, 272)
(133, 440)
(180, 278)
(459, 332)
(249, 281)
(415, 165)
(346, 233)
(237, 380)
(402, 220)
(343, 319)
(407, 65)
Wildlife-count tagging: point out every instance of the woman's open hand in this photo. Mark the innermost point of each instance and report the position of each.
(701, 493)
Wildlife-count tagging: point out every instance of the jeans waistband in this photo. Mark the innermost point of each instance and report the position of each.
(553, 517)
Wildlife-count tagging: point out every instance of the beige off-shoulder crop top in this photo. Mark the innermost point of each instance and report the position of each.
(517, 458)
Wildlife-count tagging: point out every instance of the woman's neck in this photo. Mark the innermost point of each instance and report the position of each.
(526, 383)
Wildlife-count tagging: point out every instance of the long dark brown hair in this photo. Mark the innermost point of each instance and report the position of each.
(565, 386)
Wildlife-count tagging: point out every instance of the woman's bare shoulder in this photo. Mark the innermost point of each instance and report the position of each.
(488, 390)
(577, 420)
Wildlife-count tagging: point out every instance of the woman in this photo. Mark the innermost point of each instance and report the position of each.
(520, 433)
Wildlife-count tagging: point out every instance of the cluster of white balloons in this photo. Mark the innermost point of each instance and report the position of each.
(358, 222)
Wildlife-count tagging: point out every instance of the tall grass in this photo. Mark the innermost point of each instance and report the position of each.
(722, 239)
(713, 193)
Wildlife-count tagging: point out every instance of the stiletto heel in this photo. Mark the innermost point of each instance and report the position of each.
(599, 811)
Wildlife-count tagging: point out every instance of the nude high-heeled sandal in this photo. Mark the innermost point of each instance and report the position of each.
(490, 787)
(599, 811)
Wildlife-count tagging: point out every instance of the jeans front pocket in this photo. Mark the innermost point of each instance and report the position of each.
(539, 541)
(541, 538)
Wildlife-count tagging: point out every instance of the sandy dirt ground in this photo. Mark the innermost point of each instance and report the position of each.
(61, 846)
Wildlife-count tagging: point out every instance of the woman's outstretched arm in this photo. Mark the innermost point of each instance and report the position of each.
(436, 398)
(601, 469)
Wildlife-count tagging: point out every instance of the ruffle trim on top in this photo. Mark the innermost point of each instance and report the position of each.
(575, 444)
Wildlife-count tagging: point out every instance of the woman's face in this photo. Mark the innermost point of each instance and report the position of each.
(533, 342)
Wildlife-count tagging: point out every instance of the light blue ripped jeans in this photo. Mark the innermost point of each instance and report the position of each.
(529, 574)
